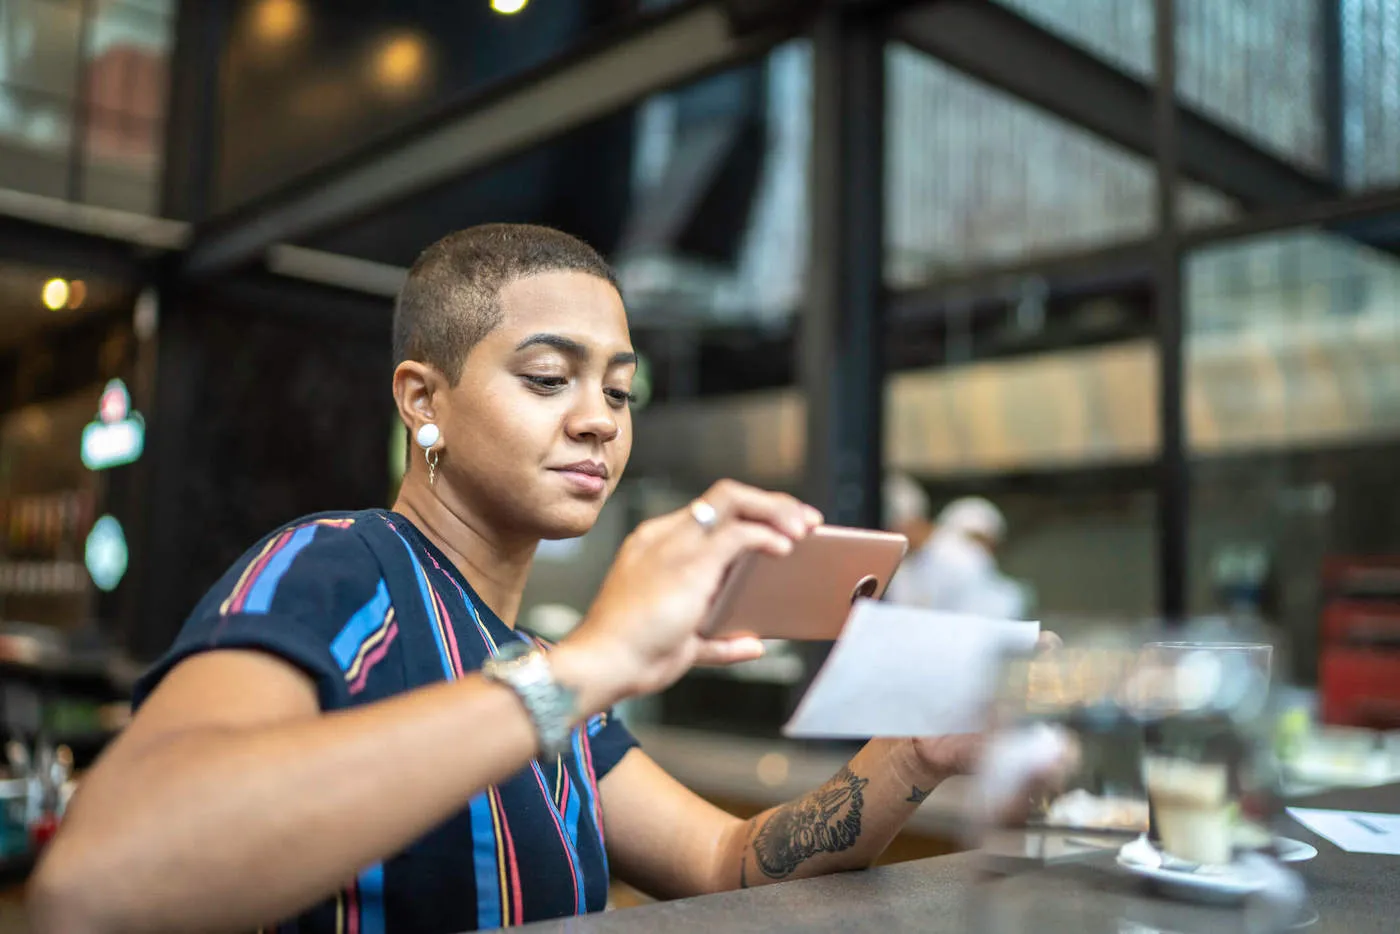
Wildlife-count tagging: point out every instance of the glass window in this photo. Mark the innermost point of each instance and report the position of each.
(977, 178)
(107, 76)
(38, 81)
(1293, 381)
(1371, 92)
(127, 57)
(1255, 67)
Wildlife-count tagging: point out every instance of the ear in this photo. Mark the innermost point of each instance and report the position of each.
(416, 388)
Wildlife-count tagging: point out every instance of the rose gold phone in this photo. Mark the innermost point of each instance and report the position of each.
(807, 594)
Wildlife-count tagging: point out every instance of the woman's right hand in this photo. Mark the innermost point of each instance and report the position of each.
(643, 630)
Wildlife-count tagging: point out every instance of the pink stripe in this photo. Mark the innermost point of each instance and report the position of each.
(449, 629)
(375, 656)
(516, 899)
(554, 816)
(593, 779)
(248, 582)
(353, 922)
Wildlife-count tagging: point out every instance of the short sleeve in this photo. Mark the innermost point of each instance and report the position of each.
(297, 594)
(608, 740)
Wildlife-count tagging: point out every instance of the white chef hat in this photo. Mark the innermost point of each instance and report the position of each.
(973, 515)
(904, 500)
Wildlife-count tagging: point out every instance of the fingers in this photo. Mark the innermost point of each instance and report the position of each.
(1048, 641)
(783, 512)
(729, 651)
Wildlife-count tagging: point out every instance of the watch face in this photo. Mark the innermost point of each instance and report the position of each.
(509, 651)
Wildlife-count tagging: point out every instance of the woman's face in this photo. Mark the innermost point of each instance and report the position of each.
(538, 429)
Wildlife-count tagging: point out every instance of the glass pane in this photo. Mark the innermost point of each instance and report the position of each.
(127, 76)
(1254, 67)
(306, 82)
(977, 178)
(1293, 405)
(35, 141)
(39, 45)
(698, 196)
(1371, 89)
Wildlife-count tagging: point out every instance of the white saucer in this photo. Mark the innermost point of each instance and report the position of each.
(1293, 851)
(1204, 883)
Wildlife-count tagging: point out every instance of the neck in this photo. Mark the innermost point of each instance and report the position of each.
(497, 566)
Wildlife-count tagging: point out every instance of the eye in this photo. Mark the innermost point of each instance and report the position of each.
(619, 397)
(546, 384)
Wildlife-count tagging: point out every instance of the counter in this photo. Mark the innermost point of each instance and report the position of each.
(1348, 893)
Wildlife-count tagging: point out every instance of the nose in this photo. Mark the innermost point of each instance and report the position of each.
(592, 420)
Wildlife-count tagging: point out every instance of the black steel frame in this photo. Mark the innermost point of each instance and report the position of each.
(841, 357)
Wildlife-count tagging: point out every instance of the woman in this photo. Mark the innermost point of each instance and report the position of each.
(348, 732)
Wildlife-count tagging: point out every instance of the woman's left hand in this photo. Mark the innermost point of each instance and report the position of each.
(959, 753)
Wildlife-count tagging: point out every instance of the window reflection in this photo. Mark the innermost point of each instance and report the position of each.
(1293, 381)
(106, 76)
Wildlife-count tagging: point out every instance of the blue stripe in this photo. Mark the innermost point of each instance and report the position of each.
(372, 900)
(571, 825)
(488, 884)
(443, 654)
(588, 792)
(362, 625)
(488, 893)
(265, 587)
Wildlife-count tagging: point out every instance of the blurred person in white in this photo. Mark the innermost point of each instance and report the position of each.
(952, 563)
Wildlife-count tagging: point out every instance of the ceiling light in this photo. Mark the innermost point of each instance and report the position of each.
(276, 21)
(55, 294)
(508, 7)
(400, 62)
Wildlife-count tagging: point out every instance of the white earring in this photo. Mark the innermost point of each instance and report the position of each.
(428, 436)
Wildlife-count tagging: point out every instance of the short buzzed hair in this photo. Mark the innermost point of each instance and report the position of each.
(451, 299)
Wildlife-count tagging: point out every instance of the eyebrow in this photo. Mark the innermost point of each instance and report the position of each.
(573, 348)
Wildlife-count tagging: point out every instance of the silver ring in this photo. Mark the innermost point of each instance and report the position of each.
(705, 514)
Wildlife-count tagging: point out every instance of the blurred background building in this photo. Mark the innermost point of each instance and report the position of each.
(1128, 268)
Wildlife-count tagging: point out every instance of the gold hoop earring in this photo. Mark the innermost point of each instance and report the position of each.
(431, 456)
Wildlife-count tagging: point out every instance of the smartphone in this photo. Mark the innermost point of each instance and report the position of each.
(808, 593)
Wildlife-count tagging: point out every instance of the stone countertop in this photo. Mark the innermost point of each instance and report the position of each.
(1349, 893)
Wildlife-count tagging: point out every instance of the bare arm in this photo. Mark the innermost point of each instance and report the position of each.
(232, 800)
(224, 807)
(672, 843)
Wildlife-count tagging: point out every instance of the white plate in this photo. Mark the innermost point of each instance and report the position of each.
(1215, 884)
(1293, 851)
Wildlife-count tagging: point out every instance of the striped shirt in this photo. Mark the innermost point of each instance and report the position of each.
(369, 608)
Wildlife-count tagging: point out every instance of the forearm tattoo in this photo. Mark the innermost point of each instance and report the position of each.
(918, 795)
(825, 821)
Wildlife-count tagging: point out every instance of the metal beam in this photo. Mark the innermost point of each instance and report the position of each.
(1174, 470)
(841, 342)
(1006, 51)
(659, 52)
(63, 235)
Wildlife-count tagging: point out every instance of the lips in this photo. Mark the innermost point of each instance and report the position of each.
(587, 468)
(585, 478)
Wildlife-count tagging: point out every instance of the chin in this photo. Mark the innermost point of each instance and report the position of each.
(570, 520)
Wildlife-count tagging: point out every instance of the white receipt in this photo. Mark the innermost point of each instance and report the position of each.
(901, 671)
(1353, 831)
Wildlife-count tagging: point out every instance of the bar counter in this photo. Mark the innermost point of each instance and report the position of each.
(975, 892)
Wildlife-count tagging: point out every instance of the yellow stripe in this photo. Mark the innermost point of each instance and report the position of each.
(375, 638)
(339, 913)
(558, 778)
(500, 857)
(242, 578)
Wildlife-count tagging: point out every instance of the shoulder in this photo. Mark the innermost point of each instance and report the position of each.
(322, 548)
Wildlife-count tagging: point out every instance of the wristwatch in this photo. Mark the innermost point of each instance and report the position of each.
(525, 669)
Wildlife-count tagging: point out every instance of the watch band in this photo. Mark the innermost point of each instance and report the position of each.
(551, 706)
